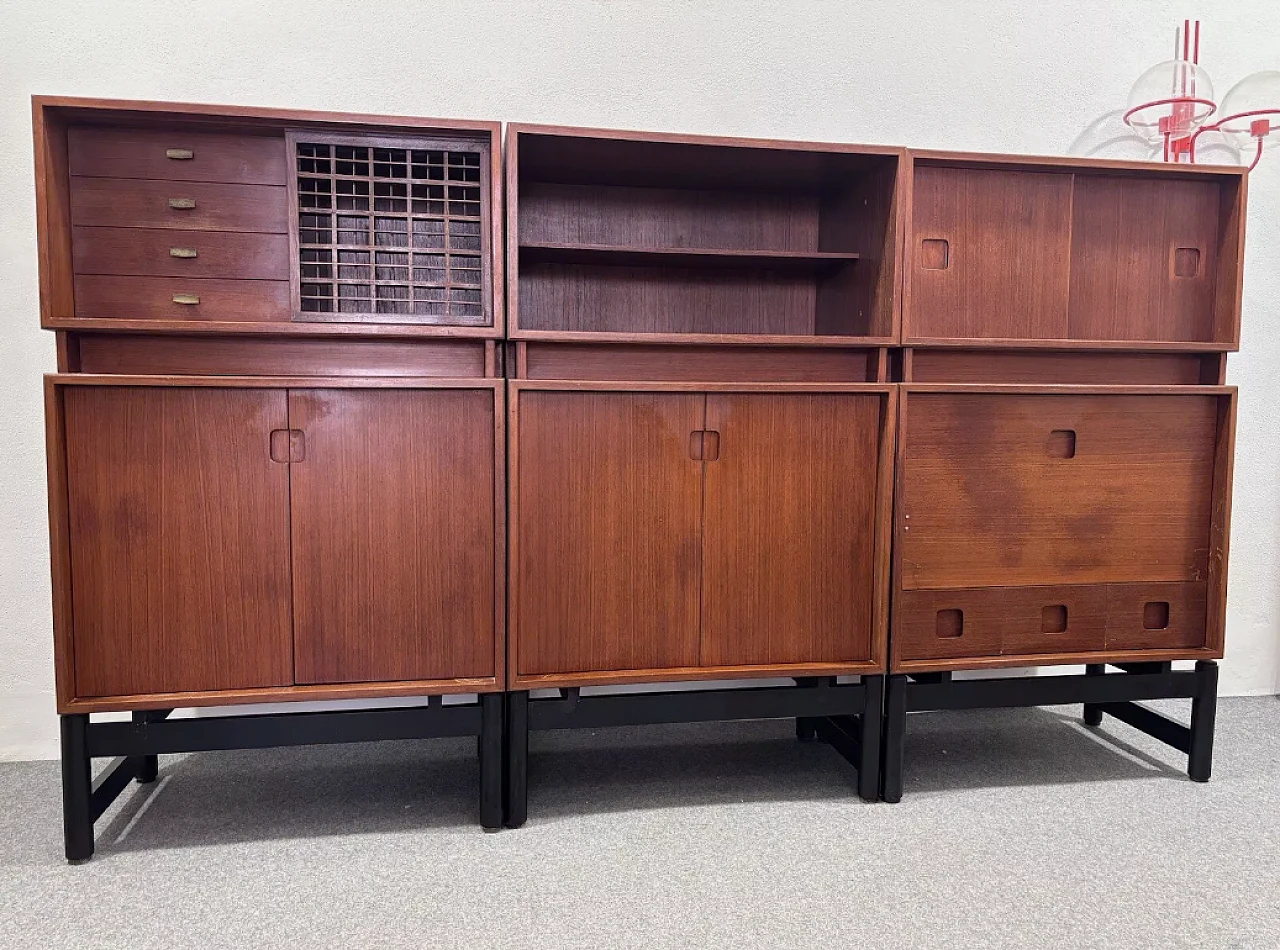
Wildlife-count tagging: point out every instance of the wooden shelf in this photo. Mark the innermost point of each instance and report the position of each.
(549, 252)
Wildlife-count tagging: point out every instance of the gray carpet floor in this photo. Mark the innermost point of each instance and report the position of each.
(1019, 829)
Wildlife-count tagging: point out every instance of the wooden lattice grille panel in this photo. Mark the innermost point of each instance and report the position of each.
(392, 230)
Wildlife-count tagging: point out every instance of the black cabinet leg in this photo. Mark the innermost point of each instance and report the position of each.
(806, 729)
(148, 765)
(1093, 711)
(895, 728)
(872, 725)
(1204, 712)
(516, 783)
(491, 760)
(77, 788)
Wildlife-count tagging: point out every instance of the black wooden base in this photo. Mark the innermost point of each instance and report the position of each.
(136, 745)
(1102, 693)
(848, 716)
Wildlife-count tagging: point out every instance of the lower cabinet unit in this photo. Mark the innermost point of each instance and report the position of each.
(1042, 524)
(261, 539)
(667, 531)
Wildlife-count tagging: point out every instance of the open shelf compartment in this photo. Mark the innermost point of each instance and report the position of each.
(618, 235)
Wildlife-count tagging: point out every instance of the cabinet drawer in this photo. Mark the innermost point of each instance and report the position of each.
(185, 205)
(160, 252)
(996, 621)
(152, 298)
(1039, 489)
(1047, 621)
(176, 155)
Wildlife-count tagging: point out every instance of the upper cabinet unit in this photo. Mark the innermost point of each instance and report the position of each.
(189, 218)
(664, 238)
(1054, 252)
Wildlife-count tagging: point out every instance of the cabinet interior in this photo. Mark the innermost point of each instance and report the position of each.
(643, 237)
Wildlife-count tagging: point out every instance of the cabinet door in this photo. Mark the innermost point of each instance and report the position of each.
(789, 533)
(1021, 490)
(179, 538)
(393, 534)
(606, 524)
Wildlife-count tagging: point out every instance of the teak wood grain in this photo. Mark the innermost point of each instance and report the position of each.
(107, 152)
(1020, 489)
(1008, 240)
(152, 298)
(1125, 235)
(620, 361)
(134, 203)
(142, 354)
(159, 252)
(393, 534)
(605, 512)
(788, 541)
(1061, 366)
(179, 539)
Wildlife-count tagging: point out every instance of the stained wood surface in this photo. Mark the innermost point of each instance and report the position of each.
(179, 539)
(672, 300)
(1009, 239)
(1084, 368)
(151, 298)
(134, 203)
(149, 252)
(709, 363)
(788, 528)
(393, 534)
(1017, 621)
(245, 356)
(606, 515)
(985, 499)
(1125, 236)
(107, 152)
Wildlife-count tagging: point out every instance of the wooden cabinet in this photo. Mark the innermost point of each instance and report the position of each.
(224, 539)
(1043, 524)
(677, 531)
(1009, 251)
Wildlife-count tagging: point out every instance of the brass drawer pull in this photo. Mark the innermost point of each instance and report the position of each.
(184, 252)
(179, 154)
(182, 204)
(187, 300)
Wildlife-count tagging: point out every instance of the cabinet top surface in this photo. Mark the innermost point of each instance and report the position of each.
(144, 112)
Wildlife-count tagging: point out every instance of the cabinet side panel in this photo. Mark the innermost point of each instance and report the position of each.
(789, 528)
(606, 558)
(1023, 490)
(179, 539)
(393, 534)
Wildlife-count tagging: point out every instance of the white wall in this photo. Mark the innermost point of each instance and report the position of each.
(996, 75)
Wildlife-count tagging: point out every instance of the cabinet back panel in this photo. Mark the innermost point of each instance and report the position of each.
(664, 217)
(1000, 489)
(606, 515)
(179, 529)
(571, 297)
(393, 533)
(788, 545)
(990, 254)
(1144, 258)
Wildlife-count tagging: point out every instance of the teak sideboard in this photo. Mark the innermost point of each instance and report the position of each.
(355, 407)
